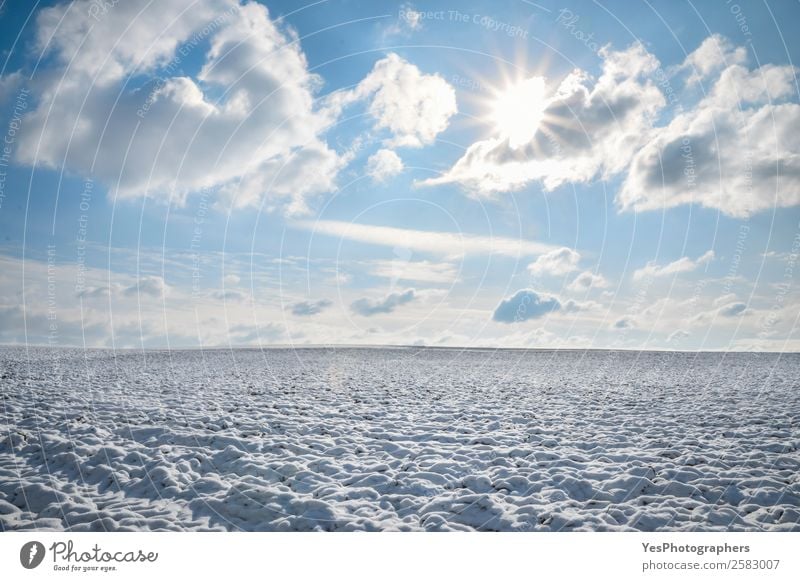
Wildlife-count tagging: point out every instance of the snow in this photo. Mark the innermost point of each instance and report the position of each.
(398, 439)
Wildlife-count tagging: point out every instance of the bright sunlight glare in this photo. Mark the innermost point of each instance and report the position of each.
(518, 110)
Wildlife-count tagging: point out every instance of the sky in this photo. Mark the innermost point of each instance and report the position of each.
(206, 173)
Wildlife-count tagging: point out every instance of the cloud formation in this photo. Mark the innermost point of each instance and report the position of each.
(368, 307)
(524, 305)
(153, 286)
(408, 270)
(558, 262)
(384, 164)
(732, 149)
(714, 53)
(683, 264)
(230, 295)
(414, 107)
(588, 128)
(115, 104)
(441, 243)
(588, 280)
(308, 308)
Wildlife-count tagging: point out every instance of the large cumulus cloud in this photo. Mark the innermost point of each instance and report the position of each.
(117, 102)
(166, 99)
(710, 131)
(588, 128)
(737, 150)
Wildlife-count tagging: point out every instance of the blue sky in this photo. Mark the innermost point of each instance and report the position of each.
(552, 174)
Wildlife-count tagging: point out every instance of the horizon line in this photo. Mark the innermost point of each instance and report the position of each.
(284, 346)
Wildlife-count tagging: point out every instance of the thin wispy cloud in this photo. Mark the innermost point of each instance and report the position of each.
(420, 271)
(440, 243)
(683, 264)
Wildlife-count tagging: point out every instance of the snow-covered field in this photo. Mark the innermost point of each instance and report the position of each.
(398, 439)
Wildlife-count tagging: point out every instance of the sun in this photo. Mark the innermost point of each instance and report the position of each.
(517, 110)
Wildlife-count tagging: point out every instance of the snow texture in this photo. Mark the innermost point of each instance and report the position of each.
(398, 439)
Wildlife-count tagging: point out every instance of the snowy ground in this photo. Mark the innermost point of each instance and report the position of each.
(398, 439)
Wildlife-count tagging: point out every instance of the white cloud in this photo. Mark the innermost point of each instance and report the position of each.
(10, 85)
(573, 306)
(384, 164)
(412, 17)
(724, 299)
(309, 308)
(587, 280)
(775, 255)
(231, 279)
(713, 54)
(683, 264)
(733, 149)
(114, 103)
(736, 151)
(420, 271)
(413, 106)
(229, 295)
(558, 262)
(524, 305)
(726, 311)
(368, 307)
(153, 286)
(441, 243)
(588, 128)
(96, 292)
(409, 20)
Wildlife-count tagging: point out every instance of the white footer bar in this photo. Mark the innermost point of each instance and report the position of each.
(400, 556)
